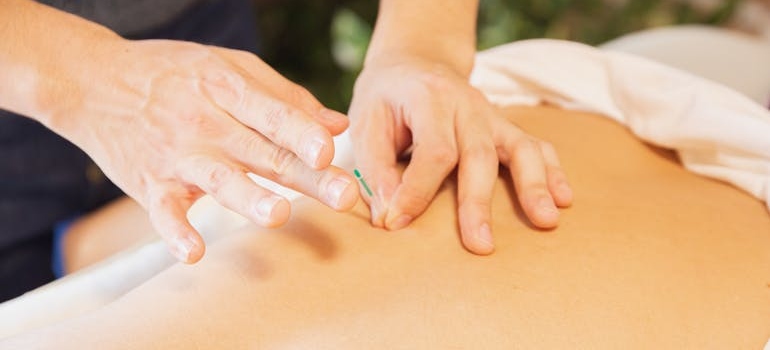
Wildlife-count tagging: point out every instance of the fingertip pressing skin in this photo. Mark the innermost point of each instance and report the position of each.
(185, 244)
(541, 211)
(556, 178)
(168, 215)
(396, 220)
(379, 207)
(382, 178)
(379, 193)
(475, 232)
(479, 241)
(420, 183)
(375, 158)
(561, 192)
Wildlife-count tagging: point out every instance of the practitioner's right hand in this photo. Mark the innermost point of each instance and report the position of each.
(170, 121)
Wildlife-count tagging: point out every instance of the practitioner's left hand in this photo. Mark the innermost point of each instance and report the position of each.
(400, 104)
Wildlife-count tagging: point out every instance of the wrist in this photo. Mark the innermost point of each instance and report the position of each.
(66, 81)
(432, 30)
(68, 76)
(459, 61)
(44, 55)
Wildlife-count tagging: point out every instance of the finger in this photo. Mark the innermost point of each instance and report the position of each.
(477, 174)
(374, 152)
(433, 158)
(332, 186)
(335, 122)
(557, 179)
(168, 214)
(230, 186)
(278, 85)
(529, 177)
(281, 122)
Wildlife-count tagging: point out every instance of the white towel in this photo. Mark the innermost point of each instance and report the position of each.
(716, 131)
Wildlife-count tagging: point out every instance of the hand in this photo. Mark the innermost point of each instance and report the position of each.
(432, 109)
(170, 121)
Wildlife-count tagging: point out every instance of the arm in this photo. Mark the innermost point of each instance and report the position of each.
(441, 31)
(414, 94)
(169, 121)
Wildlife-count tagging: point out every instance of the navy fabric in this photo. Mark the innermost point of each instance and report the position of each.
(44, 179)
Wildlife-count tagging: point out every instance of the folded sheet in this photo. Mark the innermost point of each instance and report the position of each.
(716, 131)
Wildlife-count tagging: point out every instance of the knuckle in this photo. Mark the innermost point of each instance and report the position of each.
(536, 188)
(228, 83)
(475, 203)
(444, 155)
(274, 114)
(480, 151)
(301, 96)
(252, 144)
(436, 81)
(281, 161)
(162, 217)
(524, 144)
(162, 200)
(156, 201)
(546, 146)
(243, 145)
(217, 177)
(556, 175)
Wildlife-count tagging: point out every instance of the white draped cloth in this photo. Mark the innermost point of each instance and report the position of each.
(716, 131)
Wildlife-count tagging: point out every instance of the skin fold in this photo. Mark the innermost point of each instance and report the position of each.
(650, 257)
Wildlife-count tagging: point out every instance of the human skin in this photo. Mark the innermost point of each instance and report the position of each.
(651, 257)
(168, 121)
(414, 94)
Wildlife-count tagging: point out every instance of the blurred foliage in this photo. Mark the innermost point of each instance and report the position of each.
(321, 44)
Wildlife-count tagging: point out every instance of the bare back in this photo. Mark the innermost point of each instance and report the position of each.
(650, 256)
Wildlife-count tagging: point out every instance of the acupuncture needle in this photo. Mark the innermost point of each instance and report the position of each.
(363, 183)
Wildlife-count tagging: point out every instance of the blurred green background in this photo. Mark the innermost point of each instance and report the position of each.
(320, 44)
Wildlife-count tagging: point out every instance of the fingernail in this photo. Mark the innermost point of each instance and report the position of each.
(182, 248)
(265, 207)
(313, 150)
(400, 222)
(484, 235)
(335, 189)
(546, 205)
(565, 189)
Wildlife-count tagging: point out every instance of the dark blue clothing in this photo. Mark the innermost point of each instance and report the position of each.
(45, 179)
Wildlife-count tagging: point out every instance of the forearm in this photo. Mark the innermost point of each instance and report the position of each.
(41, 51)
(443, 31)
